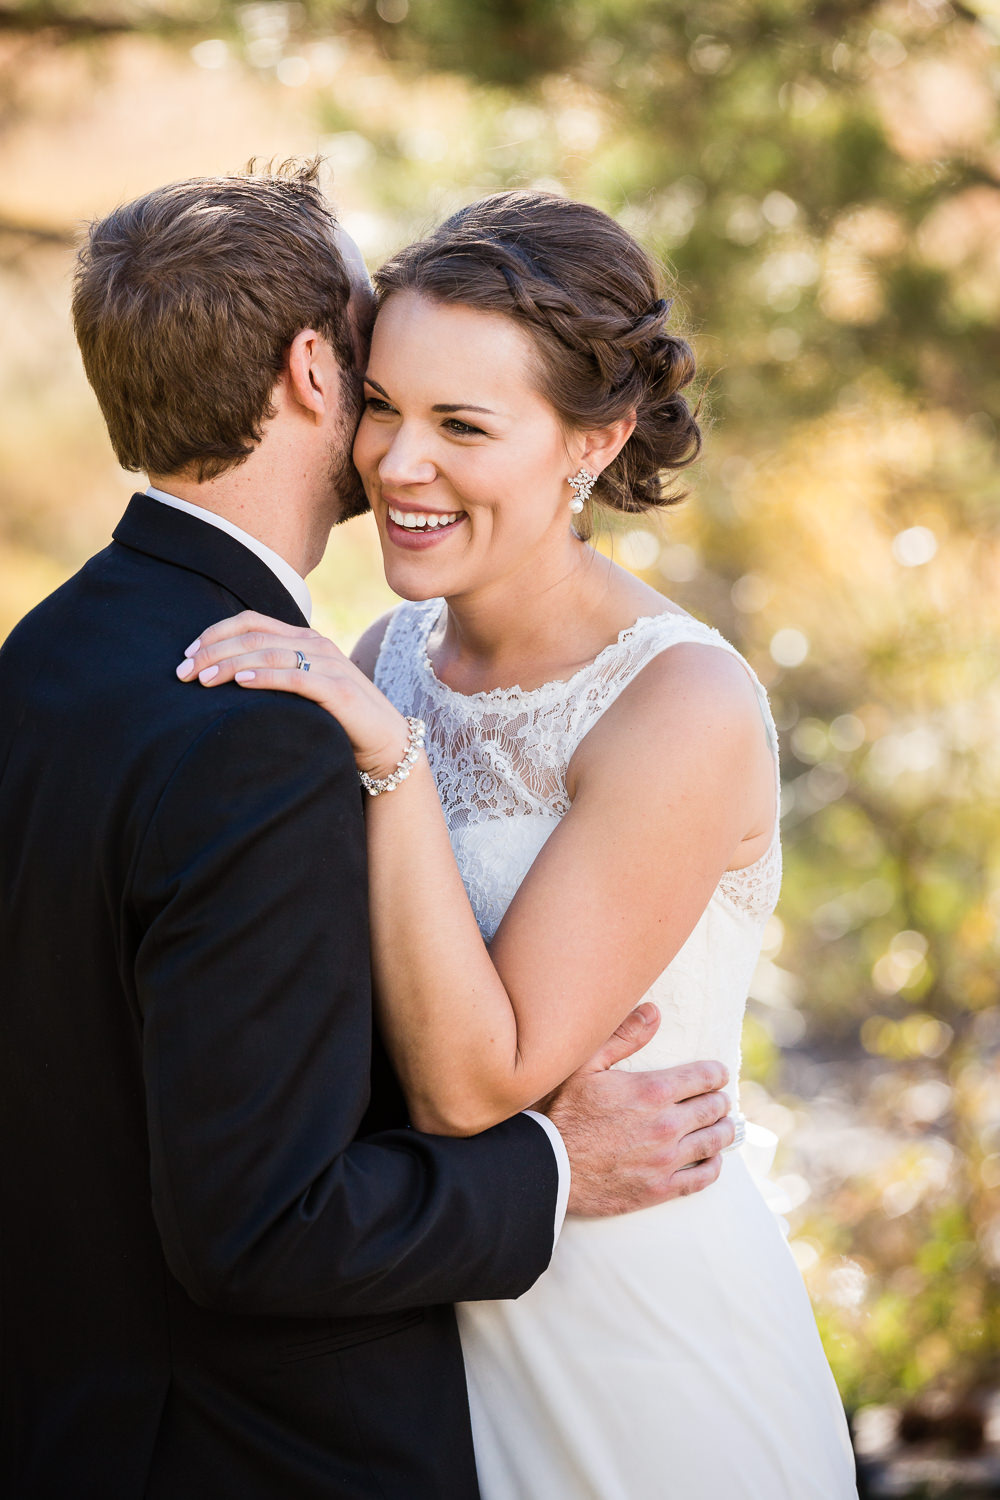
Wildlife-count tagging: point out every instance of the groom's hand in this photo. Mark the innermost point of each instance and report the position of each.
(636, 1139)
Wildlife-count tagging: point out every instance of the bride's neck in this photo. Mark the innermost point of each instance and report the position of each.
(522, 630)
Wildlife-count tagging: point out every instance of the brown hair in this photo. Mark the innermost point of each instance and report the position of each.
(590, 298)
(185, 302)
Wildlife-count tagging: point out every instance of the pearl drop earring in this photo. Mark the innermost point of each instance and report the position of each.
(581, 484)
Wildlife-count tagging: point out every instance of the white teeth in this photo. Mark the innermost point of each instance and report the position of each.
(423, 520)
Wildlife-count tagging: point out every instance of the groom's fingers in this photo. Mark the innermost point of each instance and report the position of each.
(694, 1129)
(692, 1179)
(638, 1028)
(702, 1145)
(689, 1081)
(699, 1110)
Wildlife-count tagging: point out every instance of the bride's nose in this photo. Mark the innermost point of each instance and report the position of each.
(406, 460)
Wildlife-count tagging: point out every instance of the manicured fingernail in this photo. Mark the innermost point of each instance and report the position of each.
(185, 669)
(208, 674)
(646, 1014)
(245, 676)
(194, 646)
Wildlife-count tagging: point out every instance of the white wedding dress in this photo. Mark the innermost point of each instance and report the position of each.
(669, 1354)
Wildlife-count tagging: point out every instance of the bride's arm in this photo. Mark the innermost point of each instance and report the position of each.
(673, 778)
(663, 795)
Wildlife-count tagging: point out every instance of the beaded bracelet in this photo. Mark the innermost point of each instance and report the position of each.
(373, 785)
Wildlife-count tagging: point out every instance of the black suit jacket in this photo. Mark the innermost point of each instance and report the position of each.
(226, 1261)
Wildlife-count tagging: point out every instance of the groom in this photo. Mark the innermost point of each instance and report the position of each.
(228, 1264)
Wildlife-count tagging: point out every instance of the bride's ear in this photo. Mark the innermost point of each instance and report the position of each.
(602, 445)
(312, 373)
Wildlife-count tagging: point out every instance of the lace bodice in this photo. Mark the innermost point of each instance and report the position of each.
(500, 761)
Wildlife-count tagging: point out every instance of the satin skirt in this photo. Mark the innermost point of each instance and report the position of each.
(667, 1353)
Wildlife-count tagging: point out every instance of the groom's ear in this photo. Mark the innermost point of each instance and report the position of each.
(312, 373)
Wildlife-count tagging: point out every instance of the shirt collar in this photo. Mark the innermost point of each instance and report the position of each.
(282, 570)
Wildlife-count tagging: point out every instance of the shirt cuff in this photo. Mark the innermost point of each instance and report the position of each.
(562, 1163)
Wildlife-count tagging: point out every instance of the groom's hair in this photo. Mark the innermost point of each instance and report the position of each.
(185, 302)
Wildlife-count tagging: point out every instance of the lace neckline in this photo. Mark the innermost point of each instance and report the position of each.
(516, 693)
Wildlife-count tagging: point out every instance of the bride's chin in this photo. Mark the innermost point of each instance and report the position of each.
(412, 592)
(419, 575)
(412, 584)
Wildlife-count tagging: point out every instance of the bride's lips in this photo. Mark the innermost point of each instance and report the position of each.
(418, 539)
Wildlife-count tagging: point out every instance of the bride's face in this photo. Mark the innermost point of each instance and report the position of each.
(464, 462)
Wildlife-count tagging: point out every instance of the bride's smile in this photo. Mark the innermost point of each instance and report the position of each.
(420, 520)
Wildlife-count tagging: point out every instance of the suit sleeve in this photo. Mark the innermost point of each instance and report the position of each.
(252, 980)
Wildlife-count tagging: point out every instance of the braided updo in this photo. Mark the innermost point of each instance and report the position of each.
(589, 298)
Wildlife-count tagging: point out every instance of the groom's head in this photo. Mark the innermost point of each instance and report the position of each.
(186, 303)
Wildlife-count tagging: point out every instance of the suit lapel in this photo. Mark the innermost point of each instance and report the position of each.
(175, 537)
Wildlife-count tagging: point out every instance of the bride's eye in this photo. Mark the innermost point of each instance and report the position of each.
(463, 429)
(377, 406)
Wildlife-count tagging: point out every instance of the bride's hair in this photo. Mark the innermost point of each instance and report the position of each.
(590, 298)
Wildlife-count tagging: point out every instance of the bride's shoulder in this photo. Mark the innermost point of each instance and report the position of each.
(684, 693)
(366, 650)
(396, 626)
(700, 677)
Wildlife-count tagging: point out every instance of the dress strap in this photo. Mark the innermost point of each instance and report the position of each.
(617, 666)
(753, 889)
(402, 648)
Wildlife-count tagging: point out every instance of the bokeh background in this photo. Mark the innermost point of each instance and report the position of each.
(823, 182)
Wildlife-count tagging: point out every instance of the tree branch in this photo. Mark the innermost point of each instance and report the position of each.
(49, 20)
(34, 234)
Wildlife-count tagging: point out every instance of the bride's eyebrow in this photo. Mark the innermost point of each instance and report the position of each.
(463, 406)
(441, 406)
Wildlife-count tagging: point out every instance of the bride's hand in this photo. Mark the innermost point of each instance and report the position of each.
(258, 652)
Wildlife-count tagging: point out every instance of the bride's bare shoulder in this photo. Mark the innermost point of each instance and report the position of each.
(369, 644)
(632, 598)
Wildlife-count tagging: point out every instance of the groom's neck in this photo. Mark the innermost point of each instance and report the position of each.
(262, 504)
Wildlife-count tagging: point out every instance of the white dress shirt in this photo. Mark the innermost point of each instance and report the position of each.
(283, 571)
(562, 1163)
(299, 591)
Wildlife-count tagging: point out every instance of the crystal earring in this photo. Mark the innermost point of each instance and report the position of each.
(581, 484)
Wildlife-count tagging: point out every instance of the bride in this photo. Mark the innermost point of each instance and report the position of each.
(586, 815)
